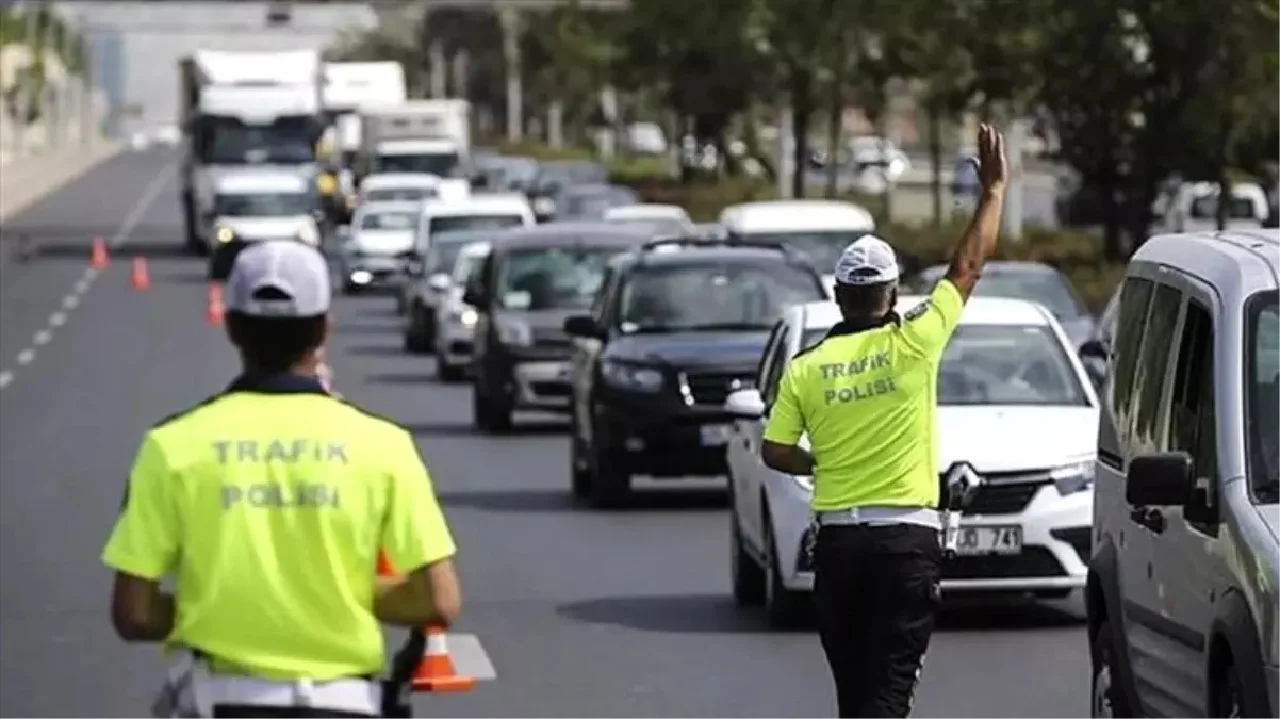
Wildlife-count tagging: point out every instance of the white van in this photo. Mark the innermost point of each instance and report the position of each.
(259, 204)
(473, 212)
(819, 228)
(399, 186)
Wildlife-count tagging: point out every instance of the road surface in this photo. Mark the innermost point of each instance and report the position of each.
(583, 613)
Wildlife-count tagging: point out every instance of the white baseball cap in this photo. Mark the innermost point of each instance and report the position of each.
(867, 260)
(279, 278)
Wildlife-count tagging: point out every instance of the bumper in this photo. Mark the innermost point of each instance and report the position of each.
(661, 437)
(1056, 532)
(455, 344)
(373, 272)
(541, 384)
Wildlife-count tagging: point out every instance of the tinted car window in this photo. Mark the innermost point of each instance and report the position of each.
(1262, 390)
(1192, 419)
(712, 295)
(1007, 365)
(389, 221)
(1135, 300)
(474, 222)
(267, 204)
(776, 366)
(1149, 420)
(411, 194)
(822, 248)
(1050, 289)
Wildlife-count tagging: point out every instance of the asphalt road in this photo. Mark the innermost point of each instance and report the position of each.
(583, 613)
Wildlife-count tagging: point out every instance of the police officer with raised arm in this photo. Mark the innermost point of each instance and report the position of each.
(866, 397)
(268, 504)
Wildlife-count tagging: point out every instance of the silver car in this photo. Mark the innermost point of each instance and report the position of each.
(430, 285)
(455, 320)
(378, 246)
(1182, 586)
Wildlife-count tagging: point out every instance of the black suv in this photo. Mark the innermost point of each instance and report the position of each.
(677, 326)
(529, 284)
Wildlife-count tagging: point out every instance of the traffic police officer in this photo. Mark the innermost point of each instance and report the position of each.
(866, 397)
(269, 503)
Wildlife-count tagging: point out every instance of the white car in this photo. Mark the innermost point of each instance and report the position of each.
(259, 203)
(455, 320)
(495, 211)
(819, 228)
(379, 244)
(670, 219)
(1014, 403)
(399, 186)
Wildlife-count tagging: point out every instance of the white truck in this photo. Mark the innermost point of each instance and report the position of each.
(419, 136)
(241, 109)
(351, 88)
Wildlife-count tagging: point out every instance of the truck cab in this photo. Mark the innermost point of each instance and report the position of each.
(259, 204)
(245, 109)
(351, 88)
(419, 136)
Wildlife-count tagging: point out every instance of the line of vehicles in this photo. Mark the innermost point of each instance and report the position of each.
(1132, 456)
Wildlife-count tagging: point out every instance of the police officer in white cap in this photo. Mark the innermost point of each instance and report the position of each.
(866, 396)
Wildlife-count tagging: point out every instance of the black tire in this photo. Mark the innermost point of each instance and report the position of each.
(783, 608)
(748, 576)
(449, 372)
(414, 339)
(1106, 698)
(610, 481)
(350, 288)
(492, 415)
(1227, 695)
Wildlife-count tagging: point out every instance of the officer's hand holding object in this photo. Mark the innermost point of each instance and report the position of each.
(991, 166)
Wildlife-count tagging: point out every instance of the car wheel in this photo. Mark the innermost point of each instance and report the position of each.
(579, 466)
(449, 372)
(401, 305)
(350, 288)
(610, 481)
(1227, 698)
(414, 341)
(1106, 698)
(492, 414)
(748, 577)
(782, 607)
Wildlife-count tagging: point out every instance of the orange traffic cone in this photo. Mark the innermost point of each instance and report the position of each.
(98, 259)
(435, 673)
(138, 277)
(213, 313)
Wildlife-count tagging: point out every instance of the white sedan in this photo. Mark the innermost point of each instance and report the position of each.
(663, 218)
(1015, 405)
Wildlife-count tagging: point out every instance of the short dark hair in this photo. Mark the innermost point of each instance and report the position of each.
(865, 300)
(275, 344)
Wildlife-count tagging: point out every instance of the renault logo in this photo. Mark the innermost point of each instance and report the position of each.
(962, 476)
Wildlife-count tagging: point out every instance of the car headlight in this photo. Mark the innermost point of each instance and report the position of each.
(224, 235)
(308, 235)
(513, 332)
(631, 377)
(1073, 478)
(544, 205)
(467, 317)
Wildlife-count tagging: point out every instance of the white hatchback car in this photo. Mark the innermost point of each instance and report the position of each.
(1015, 405)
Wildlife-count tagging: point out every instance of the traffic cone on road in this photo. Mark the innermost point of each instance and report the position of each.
(138, 276)
(435, 673)
(98, 258)
(213, 313)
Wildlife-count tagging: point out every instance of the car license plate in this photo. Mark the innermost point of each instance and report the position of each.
(714, 434)
(1005, 539)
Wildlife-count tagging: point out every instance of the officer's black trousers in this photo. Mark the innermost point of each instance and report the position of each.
(876, 596)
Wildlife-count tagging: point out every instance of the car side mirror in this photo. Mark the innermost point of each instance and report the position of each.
(744, 404)
(1159, 480)
(438, 282)
(583, 326)
(1094, 349)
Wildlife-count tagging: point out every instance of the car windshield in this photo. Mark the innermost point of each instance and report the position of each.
(823, 247)
(658, 225)
(232, 143)
(552, 278)
(444, 250)
(411, 194)
(464, 266)
(1049, 288)
(389, 221)
(1239, 207)
(440, 164)
(445, 223)
(713, 295)
(264, 204)
(1262, 393)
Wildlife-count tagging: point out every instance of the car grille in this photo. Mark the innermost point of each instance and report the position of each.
(1031, 562)
(712, 388)
(1007, 492)
(551, 338)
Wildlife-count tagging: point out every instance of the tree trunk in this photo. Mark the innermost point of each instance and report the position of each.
(835, 122)
(886, 208)
(935, 160)
(801, 113)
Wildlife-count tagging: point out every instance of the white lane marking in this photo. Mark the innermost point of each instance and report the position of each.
(82, 285)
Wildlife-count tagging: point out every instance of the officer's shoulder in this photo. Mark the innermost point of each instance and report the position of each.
(379, 421)
(808, 350)
(187, 412)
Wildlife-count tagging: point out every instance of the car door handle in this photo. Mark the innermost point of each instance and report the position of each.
(1149, 517)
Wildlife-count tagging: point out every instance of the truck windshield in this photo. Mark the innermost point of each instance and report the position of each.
(267, 204)
(1262, 395)
(440, 164)
(232, 143)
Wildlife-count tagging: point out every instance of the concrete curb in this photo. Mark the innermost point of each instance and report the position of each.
(26, 180)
